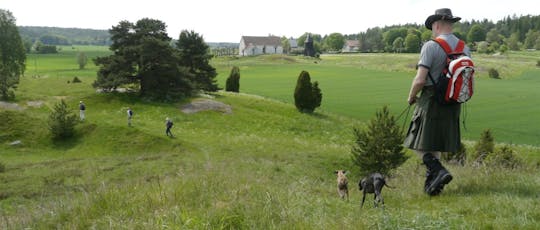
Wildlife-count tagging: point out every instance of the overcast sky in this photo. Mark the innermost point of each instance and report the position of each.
(228, 20)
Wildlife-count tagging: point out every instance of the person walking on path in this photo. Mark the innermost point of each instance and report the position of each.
(434, 127)
(168, 125)
(82, 109)
(129, 115)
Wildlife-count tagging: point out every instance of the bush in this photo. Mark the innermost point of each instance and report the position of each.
(379, 148)
(504, 157)
(46, 49)
(76, 80)
(493, 73)
(2, 167)
(307, 96)
(233, 81)
(458, 157)
(484, 146)
(62, 121)
(538, 63)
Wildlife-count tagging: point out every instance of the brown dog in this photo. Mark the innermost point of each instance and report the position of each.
(342, 182)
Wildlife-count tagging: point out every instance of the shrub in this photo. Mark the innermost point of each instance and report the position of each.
(538, 63)
(493, 73)
(379, 148)
(504, 157)
(458, 157)
(484, 146)
(62, 121)
(76, 80)
(307, 96)
(2, 167)
(233, 81)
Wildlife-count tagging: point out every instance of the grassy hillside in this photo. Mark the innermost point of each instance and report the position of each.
(264, 166)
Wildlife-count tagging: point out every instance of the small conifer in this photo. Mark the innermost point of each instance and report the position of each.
(62, 121)
(484, 146)
(233, 81)
(379, 147)
(307, 95)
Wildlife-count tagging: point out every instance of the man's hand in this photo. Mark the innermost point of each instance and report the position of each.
(412, 100)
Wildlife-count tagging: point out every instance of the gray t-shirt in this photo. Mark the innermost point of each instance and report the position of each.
(433, 57)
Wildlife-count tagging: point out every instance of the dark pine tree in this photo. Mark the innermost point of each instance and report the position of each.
(303, 93)
(194, 53)
(233, 81)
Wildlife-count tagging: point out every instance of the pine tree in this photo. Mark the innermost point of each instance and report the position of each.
(62, 121)
(233, 81)
(379, 148)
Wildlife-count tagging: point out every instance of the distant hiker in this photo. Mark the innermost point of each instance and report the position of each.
(434, 127)
(168, 125)
(82, 108)
(129, 115)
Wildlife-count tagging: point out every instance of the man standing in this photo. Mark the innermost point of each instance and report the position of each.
(434, 127)
(129, 115)
(82, 108)
(168, 125)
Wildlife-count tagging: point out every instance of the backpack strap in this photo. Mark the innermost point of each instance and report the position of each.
(447, 49)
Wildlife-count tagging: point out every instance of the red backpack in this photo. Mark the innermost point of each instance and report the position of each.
(456, 83)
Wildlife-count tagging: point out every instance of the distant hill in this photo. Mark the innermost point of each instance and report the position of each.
(222, 44)
(65, 36)
(77, 36)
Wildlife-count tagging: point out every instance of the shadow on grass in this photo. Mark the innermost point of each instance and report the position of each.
(71, 142)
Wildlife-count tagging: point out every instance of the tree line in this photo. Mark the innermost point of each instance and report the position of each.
(64, 36)
(510, 33)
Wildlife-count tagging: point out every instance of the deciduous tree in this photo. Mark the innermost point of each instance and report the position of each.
(82, 59)
(12, 55)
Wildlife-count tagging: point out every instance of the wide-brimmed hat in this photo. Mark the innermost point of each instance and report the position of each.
(441, 14)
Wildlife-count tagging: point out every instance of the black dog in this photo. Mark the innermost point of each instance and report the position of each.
(373, 183)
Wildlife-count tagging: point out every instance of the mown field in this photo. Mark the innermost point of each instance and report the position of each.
(265, 166)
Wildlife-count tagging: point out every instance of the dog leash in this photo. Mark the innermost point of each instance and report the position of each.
(408, 109)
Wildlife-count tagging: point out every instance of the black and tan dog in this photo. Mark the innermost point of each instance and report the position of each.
(373, 183)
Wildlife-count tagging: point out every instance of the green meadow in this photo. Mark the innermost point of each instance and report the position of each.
(265, 165)
(357, 85)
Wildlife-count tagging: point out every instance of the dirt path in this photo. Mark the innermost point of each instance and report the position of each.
(205, 105)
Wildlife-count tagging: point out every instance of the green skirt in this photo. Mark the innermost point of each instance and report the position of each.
(434, 127)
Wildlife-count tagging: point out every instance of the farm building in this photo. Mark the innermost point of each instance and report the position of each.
(351, 46)
(250, 45)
